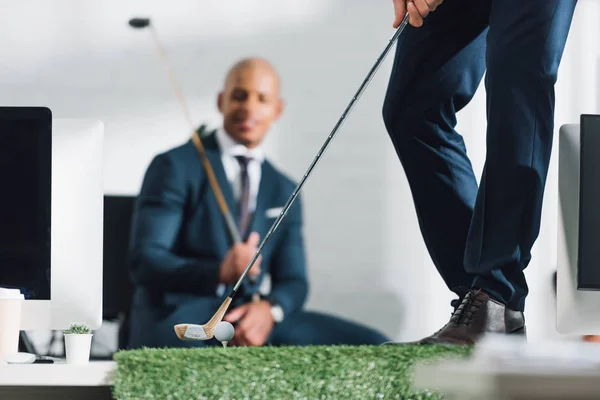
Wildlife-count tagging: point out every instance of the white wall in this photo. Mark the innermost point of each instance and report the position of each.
(367, 258)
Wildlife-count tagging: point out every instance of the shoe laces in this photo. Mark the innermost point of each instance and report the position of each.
(467, 309)
(462, 292)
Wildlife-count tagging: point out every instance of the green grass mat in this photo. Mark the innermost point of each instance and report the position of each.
(319, 372)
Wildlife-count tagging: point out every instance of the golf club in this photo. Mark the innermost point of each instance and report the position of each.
(206, 331)
(142, 23)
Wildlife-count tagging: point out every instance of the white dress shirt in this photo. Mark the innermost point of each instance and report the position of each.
(229, 150)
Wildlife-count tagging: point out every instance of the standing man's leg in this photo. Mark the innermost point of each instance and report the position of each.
(524, 47)
(437, 70)
(492, 241)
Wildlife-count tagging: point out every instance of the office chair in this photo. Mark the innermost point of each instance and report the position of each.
(117, 287)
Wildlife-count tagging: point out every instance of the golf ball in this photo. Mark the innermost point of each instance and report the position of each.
(224, 331)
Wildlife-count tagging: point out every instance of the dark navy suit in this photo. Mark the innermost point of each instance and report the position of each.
(479, 236)
(179, 239)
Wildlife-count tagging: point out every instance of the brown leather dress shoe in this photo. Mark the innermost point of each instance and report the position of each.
(476, 315)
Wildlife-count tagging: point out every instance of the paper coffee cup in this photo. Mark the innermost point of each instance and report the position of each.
(11, 303)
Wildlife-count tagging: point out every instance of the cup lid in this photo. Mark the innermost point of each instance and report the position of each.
(11, 294)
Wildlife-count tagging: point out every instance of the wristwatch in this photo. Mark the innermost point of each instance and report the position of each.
(276, 310)
(277, 313)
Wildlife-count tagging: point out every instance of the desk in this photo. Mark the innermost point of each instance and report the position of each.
(60, 380)
(475, 379)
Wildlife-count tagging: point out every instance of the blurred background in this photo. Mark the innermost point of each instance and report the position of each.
(367, 260)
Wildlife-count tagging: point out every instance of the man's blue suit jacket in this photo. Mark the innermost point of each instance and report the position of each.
(179, 238)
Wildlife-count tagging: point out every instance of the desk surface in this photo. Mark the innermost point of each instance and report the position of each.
(96, 373)
(476, 379)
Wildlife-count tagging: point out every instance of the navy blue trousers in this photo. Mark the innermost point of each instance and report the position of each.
(479, 237)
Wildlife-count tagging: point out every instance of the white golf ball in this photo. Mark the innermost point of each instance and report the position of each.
(224, 331)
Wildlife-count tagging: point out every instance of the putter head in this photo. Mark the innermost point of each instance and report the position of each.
(139, 23)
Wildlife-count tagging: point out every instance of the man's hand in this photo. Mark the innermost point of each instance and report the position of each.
(417, 9)
(238, 258)
(255, 325)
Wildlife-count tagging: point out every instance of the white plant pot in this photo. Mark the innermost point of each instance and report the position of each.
(78, 347)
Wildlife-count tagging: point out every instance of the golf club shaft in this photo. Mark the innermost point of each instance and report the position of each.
(231, 226)
(174, 85)
(322, 150)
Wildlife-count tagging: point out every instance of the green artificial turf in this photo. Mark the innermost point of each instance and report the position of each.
(317, 372)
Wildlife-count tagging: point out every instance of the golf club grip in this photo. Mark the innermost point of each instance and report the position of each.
(288, 204)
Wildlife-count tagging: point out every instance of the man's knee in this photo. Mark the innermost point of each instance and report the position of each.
(510, 69)
(395, 115)
(312, 328)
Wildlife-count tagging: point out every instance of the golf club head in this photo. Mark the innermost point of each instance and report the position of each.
(139, 23)
(186, 331)
(194, 332)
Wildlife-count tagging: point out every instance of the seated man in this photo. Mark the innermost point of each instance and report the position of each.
(182, 257)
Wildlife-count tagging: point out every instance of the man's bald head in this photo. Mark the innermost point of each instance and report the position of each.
(255, 64)
(250, 100)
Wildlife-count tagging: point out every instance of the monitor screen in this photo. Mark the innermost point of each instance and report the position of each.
(588, 271)
(25, 200)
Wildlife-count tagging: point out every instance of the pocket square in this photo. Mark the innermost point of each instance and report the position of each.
(273, 212)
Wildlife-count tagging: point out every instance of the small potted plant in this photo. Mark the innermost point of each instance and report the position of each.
(78, 343)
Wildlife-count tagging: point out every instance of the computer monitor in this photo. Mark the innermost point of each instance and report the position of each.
(51, 216)
(578, 258)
